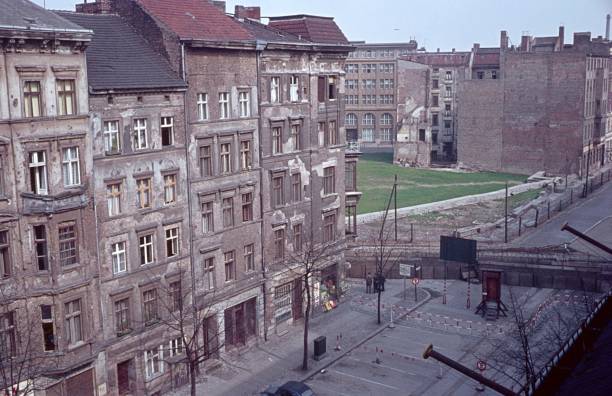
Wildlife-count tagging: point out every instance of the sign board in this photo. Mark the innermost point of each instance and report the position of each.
(415, 281)
(405, 269)
(457, 249)
(482, 366)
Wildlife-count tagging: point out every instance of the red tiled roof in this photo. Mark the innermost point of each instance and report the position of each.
(439, 59)
(312, 28)
(195, 19)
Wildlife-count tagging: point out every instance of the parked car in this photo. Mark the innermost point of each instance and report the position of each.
(289, 388)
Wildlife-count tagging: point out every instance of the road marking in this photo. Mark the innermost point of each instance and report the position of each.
(365, 380)
(382, 365)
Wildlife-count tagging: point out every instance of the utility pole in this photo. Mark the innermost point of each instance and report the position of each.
(506, 216)
(395, 204)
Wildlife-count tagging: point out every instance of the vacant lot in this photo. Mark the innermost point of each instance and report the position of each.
(418, 186)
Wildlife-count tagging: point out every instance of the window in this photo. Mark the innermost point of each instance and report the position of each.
(435, 100)
(149, 301)
(321, 89)
(331, 87)
(245, 155)
(176, 297)
(169, 188)
(141, 141)
(46, 316)
(386, 119)
(447, 124)
(350, 176)
(8, 339)
(67, 244)
(209, 273)
(38, 172)
(32, 106)
(176, 346)
(2, 177)
(494, 74)
(351, 99)
(435, 84)
(329, 180)
(351, 84)
(113, 199)
(118, 257)
(66, 101)
(275, 89)
(145, 243)
(207, 218)
(321, 127)
(329, 227)
(226, 158)
(206, 166)
(70, 166)
(296, 187)
(40, 246)
(387, 83)
(5, 255)
(143, 193)
(167, 131)
(154, 363)
(386, 99)
(202, 102)
(224, 110)
(434, 137)
(449, 75)
(111, 137)
(295, 137)
(294, 88)
(279, 243)
(421, 135)
(368, 119)
(449, 92)
(278, 196)
(277, 140)
(367, 134)
(247, 207)
(249, 257)
(74, 332)
(386, 134)
(297, 237)
(228, 212)
(332, 134)
(243, 101)
(172, 242)
(480, 75)
(230, 268)
(122, 316)
(351, 119)
(434, 120)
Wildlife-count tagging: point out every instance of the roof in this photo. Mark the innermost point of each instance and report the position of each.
(119, 58)
(439, 58)
(196, 20)
(25, 15)
(317, 29)
(486, 57)
(545, 41)
(412, 44)
(270, 34)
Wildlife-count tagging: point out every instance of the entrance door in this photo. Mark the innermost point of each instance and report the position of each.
(240, 323)
(492, 288)
(123, 378)
(297, 299)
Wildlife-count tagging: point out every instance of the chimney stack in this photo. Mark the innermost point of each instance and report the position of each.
(97, 7)
(608, 27)
(503, 40)
(525, 44)
(219, 4)
(243, 12)
(561, 37)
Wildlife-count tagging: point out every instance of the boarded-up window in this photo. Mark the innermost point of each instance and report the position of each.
(321, 89)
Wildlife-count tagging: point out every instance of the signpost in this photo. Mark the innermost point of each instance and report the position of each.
(415, 282)
(482, 366)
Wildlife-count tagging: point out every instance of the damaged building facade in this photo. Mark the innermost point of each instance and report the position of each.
(206, 169)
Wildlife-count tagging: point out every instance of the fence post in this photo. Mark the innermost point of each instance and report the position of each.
(571, 196)
(560, 204)
(536, 218)
(548, 205)
(411, 231)
(520, 222)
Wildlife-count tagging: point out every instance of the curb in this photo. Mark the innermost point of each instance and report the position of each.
(312, 373)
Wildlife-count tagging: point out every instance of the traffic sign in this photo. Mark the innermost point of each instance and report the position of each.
(405, 269)
(415, 281)
(482, 366)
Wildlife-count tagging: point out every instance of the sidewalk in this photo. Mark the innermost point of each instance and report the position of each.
(280, 358)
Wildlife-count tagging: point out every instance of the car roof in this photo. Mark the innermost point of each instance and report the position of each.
(295, 385)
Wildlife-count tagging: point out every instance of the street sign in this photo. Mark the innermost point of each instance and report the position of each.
(405, 269)
(415, 281)
(482, 366)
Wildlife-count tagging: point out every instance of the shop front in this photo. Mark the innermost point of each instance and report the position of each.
(328, 288)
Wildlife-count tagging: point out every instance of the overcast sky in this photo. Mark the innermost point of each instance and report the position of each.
(443, 24)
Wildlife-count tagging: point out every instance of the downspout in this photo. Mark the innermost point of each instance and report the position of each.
(260, 46)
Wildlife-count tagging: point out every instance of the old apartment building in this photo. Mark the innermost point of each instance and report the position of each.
(208, 163)
(49, 311)
(371, 93)
(540, 106)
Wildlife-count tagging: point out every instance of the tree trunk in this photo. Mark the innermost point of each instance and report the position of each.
(306, 321)
(192, 376)
(378, 304)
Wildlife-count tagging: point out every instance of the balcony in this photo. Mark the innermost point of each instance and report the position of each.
(50, 204)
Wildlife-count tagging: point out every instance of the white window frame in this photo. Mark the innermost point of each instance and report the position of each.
(167, 122)
(225, 154)
(71, 169)
(113, 199)
(172, 241)
(367, 134)
(111, 135)
(224, 108)
(170, 188)
(38, 160)
(244, 102)
(146, 250)
(175, 347)
(294, 85)
(119, 257)
(275, 90)
(202, 102)
(141, 138)
(154, 357)
(209, 273)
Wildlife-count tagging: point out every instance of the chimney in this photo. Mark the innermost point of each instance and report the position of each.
(561, 37)
(438, 50)
(243, 12)
(608, 27)
(476, 47)
(453, 50)
(219, 4)
(503, 40)
(525, 43)
(97, 7)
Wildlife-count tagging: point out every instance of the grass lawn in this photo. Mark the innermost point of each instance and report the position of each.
(418, 186)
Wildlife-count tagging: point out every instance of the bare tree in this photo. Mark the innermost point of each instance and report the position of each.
(23, 362)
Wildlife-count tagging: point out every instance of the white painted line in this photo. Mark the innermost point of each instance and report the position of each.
(382, 365)
(365, 380)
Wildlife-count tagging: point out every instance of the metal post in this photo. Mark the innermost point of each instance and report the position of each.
(520, 224)
(571, 196)
(411, 231)
(506, 216)
(415, 292)
(586, 185)
(548, 205)
(468, 290)
(444, 295)
(404, 287)
(536, 217)
(395, 203)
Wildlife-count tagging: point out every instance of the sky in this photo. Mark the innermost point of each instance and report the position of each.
(443, 24)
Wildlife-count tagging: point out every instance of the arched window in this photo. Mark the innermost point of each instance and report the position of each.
(386, 119)
(368, 119)
(351, 119)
